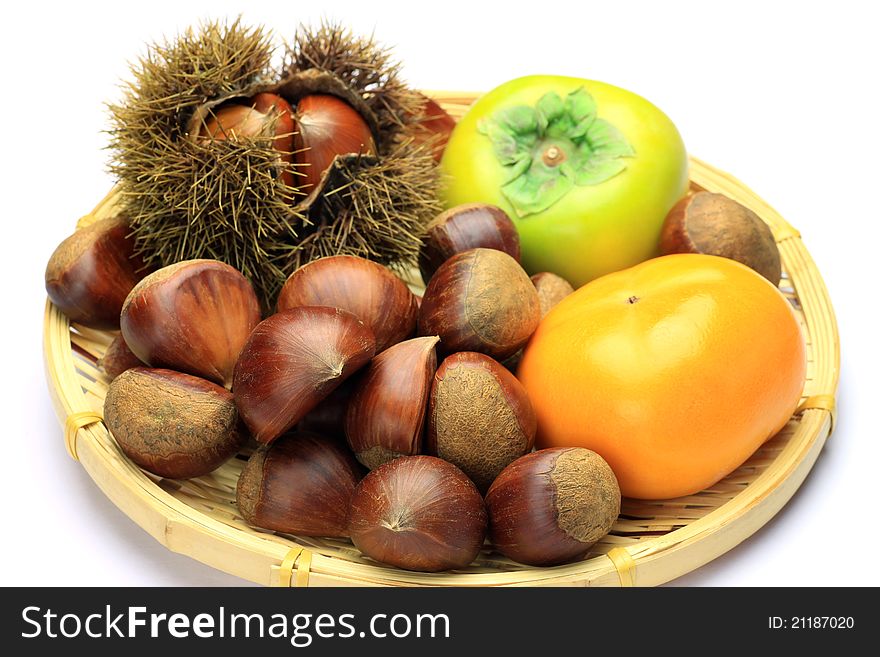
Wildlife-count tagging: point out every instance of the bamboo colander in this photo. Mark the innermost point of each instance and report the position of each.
(652, 541)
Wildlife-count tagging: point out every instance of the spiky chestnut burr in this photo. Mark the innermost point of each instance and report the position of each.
(238, 200)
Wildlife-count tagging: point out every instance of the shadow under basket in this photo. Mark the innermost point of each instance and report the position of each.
(652, 542)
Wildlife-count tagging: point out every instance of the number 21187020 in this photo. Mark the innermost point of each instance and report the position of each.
(811, 623)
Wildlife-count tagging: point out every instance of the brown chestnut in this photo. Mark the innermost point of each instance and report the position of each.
(549, 507)
(292, 361)
(328, 417)
(300, 484)
(551, 290)
(469, 226)
(386, 414)
(418, 513)
(432, 125)
(92, 271)
(172, 424)
(365, 288)
(118, 358)
(717, 225)
(193, 316)
(326, 126)
(264, 112)
(480, 300)
(480, 417)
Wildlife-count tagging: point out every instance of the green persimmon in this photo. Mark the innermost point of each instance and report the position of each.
(587, 171)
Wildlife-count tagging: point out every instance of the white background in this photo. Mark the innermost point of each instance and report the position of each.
(782, 94)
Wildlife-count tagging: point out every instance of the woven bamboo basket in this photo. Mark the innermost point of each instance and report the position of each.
(651, 543)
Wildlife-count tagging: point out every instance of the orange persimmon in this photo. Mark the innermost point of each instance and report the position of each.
(675, 371)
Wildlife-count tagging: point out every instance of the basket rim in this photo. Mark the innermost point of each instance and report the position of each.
(651, 561)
